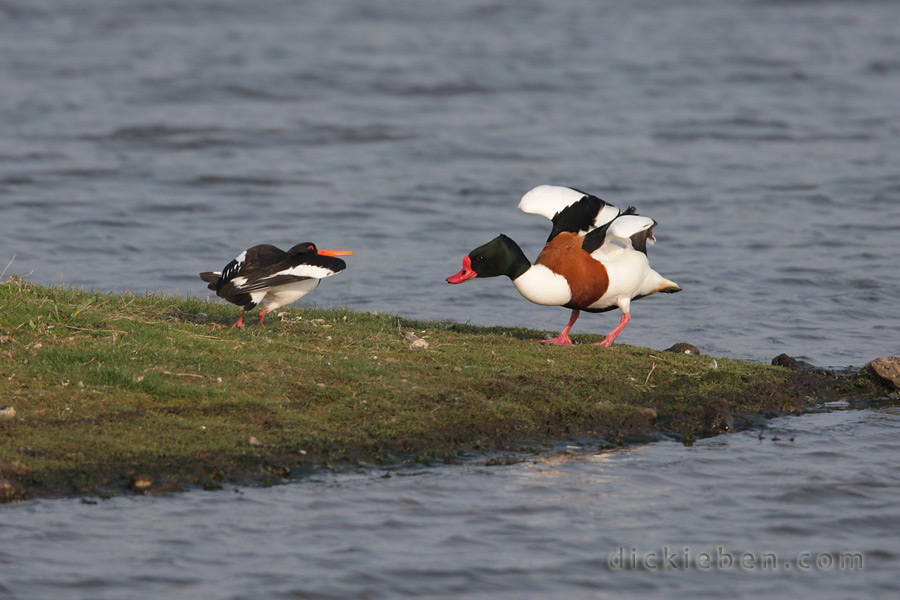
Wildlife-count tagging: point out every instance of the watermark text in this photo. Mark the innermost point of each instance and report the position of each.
(722, 559)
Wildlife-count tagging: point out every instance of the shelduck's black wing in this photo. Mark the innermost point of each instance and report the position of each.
(630, 229)
(569, 210)
(595, 238)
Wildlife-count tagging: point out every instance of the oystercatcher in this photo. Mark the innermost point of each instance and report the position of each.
(268, 273)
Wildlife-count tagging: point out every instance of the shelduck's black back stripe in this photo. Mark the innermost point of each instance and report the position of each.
(594, 239)
(577, 217)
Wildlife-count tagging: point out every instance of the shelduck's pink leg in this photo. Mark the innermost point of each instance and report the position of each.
(563, 338)
(262, 313)
(626, 317)
(240, 321)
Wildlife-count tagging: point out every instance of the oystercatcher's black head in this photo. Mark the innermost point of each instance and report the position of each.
(304, 248)
(310, 248)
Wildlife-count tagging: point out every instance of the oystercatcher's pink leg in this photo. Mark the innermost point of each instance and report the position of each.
(240, 321)
(563, 338)
(262, 313)
(626, 317)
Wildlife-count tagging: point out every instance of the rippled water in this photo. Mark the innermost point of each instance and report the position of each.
(802, 494)
(143, 142)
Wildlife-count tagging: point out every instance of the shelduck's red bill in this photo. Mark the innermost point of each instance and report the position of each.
(465, 274)
(335, 252)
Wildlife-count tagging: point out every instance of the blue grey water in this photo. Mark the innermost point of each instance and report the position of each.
(143, 142)
(778, 515)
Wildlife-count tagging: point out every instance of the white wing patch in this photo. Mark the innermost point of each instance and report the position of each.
(311, 271)
(627, 225)
(606, 214)
(549, 200)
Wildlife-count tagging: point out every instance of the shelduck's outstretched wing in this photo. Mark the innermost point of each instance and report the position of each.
(630, 230)
(569, 209)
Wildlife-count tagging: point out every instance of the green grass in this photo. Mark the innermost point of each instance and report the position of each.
(150, 392)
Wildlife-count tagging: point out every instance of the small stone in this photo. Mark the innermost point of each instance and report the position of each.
(789, 362)
(419, 344)
(683, 348)
(255, 442)
(888, 368)
(7, 412)
(410, 337)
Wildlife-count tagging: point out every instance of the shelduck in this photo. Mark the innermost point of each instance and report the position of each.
(268, 273)
(595, 259)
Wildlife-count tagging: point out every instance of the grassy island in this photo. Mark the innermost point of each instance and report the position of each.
(105, 393)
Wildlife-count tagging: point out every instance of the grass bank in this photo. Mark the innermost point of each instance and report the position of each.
(116, 392)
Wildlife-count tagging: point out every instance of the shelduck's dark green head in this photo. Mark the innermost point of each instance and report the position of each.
(500, 256)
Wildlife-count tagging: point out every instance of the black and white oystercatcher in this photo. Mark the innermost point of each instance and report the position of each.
(594, 260)
(268, 273)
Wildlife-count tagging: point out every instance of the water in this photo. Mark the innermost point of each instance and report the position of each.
(144, 142)
(805, 493)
